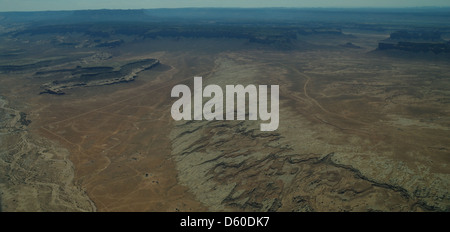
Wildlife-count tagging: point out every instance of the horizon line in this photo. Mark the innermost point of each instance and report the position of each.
(174, 8)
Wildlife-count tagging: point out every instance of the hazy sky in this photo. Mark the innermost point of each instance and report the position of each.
(38, 5)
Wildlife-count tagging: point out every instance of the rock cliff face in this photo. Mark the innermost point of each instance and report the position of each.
(436, 48)
(97, 76)
(415, 42)
(416, 36)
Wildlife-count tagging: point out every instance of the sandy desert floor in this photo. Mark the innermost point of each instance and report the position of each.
(359, 131)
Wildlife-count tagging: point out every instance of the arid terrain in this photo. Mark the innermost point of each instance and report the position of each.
(85, 115)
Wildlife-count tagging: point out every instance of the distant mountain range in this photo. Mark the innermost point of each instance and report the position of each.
(294, 15)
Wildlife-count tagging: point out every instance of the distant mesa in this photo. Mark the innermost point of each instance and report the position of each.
(110, 44)
(109, 15)
(416, 36)
(21, 67)
(350, 45)
(105, 34)
(96, 76)
(415, 42)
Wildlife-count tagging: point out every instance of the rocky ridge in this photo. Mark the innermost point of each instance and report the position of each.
(97, 76)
